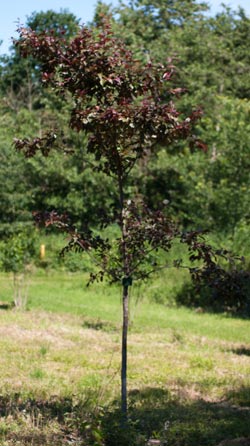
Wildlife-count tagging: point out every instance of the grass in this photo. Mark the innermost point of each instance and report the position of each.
(189, 373)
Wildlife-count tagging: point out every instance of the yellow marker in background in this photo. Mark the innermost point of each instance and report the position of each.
(42, 252)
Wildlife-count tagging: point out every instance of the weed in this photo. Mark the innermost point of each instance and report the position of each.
(37, 374)
(43, 350)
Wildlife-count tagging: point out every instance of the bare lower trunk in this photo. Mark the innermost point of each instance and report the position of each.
(125, 298)
(126, 282)
(20, 290)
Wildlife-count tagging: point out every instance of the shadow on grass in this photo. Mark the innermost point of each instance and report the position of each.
(153, 414)
(189, 423)
(242, 351)
(99, 324)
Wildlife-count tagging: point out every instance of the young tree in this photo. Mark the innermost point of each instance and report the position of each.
(16, 255)
(126, 110)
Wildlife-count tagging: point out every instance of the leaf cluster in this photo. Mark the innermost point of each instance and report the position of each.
(118, 102)
(146, 233)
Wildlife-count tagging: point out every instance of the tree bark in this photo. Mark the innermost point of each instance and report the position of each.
(126, 282)
(125, 299)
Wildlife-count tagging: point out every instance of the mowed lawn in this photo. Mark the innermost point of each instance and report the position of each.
(188, 372)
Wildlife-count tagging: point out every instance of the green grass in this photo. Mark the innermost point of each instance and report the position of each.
(68, 293)
(188, 373)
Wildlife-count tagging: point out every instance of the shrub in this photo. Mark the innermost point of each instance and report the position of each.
(229, 293)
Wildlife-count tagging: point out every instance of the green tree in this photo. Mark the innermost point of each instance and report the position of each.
(17, 252)
(210, 53)
(20, 78)
(59, 23)
(14, 194)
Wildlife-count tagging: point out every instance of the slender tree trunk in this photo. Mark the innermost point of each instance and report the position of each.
(29, 95)
(125, 298)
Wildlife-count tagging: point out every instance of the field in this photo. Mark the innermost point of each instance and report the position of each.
(189, 372)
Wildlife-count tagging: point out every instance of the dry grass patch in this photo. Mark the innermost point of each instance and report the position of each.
(52, 354)
(58, 354)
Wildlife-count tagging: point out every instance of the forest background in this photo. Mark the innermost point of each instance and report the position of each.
(201, 189)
